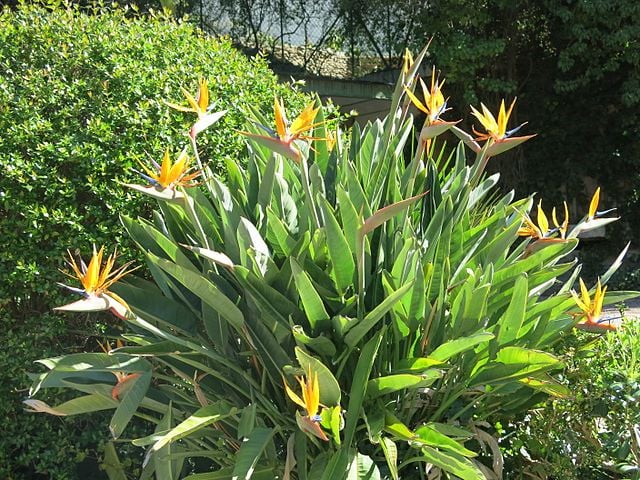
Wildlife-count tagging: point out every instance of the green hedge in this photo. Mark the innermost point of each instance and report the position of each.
(80, 103)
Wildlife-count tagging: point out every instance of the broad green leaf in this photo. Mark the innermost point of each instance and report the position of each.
(414, 365)
(453, 347)
(247, 421)
(78, 405)
(198, 420)
(330, 394)
(390, 451)
(129, 403)
(111, 463)
(511, 322)
(356, 333)
(157, 348)
(340, 460)
(204, 289)
(313, 306)
(154, 241)
(339, 252)
(166, 467)
(434, 438)
(250, 241)
(362, 468)
(153, 306)
(361, 374)
(513, 363)
(216, 257)
(351, 220)
(259, 473)
(453, 463)
(250, 452)
(265, 192)
(392, 383)
(546, 384)
(320, 344)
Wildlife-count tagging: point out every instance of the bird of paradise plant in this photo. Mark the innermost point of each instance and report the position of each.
(398, 285)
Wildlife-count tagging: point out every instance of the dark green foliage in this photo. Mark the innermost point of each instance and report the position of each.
(80, 103)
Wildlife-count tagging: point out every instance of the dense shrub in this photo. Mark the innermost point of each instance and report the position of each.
(595, 433)
(79, 106)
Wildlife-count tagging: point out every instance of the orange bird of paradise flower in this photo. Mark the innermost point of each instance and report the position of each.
(169, 174)
(433, 105)
(200, 106)
(591, 308)
(96, 278)
(310, 401)
(496, 130)
(286, 133)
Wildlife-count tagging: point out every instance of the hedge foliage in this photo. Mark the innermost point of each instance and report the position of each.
(79, 108)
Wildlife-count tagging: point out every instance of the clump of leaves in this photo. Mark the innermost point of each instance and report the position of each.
(594, 433)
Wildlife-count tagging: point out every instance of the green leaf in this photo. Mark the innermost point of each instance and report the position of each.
(200, 419)
(453, 463)
(320, 344)
(362, 468)
(391, 455)
(330, 394)
(75, 406)
(153, 306)
(247, 421)
(265, 192)
(433, 437)
(250, 452)
(356, 333)
(414, 365)
(339, 252)
(166, 467)
(392, 383)
(111, 463)
(511, 322)
(453, 347)
(340, 460)
(204, 289)
(129, 404)
(311, 301)
(513, 363)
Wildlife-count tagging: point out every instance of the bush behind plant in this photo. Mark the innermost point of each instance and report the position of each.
(595, 433)
(80, 103)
